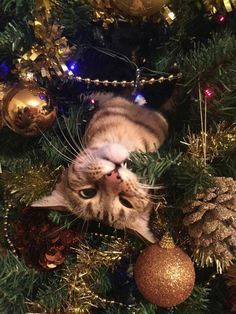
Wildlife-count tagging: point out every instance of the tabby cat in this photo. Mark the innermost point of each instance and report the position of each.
(97, 184)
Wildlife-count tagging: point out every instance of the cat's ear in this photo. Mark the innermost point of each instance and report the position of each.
(55, 200)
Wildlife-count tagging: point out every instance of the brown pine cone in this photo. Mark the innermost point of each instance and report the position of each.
(211, 223)
(42, 244)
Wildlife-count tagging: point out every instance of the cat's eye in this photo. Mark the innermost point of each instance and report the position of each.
(88, 193)
(125, 202)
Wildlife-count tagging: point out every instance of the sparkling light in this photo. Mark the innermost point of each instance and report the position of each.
(72, 65)
(209, 92)
(140, 100)
(220, 18)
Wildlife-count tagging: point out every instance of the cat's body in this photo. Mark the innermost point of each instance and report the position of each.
(97, 185)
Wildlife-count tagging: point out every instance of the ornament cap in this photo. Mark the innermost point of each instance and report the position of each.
(167, 241)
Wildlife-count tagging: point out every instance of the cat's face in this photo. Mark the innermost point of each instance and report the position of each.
(98, 188)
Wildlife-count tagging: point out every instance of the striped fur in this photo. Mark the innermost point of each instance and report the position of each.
(116, 129)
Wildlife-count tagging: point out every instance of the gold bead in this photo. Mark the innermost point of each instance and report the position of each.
(96, 82)
(105, 83)
(87, 80)
(170, 78)
(79, 78)
(161, 79)
(114, 83)
(151, 81)
(124, 83)
(142, 82)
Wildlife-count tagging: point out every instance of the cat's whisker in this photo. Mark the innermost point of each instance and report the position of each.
(63, 227)
(73, 139)
(90, 156)
(78, 133)
(85, 226)
(151, 187)
(64, 157)
(73, 151)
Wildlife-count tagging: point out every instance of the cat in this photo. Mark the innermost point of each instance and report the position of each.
(97, 184)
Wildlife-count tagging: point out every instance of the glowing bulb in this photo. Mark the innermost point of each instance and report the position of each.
(208, 92)
(221, 18)
(171, 15)
(140, 100)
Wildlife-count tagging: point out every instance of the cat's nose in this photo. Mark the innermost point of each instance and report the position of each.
(113, 176)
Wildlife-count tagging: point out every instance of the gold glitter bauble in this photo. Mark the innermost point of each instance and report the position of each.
(28, 109)
(139, 7)
(165, 277)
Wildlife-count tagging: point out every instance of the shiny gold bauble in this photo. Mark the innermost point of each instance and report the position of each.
(1, 121)
(165, 277)
(28, 109)
(139, 7)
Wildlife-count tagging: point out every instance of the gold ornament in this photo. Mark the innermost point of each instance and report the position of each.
(1, 119)
(28, 109)
(139, 7)
(49, 55)
(164, 274)
(218, 141)
(2, 92)
(210, 220)
(81, 278)
(224, 6)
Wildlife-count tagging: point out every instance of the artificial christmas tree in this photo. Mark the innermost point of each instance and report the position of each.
(54, 57)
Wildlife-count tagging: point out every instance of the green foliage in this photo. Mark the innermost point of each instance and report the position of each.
(74, 16)
(15, 38)
(101, 282)
(151, 166)
(52, 293)
(67, 220)
(213, 64)
(186, 178)
(16, 284)
(17, 8)
(197, 303)
(225, 164)
(30, 184)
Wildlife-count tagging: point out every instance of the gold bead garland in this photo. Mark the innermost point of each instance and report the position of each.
(124, 83)
(6, 230)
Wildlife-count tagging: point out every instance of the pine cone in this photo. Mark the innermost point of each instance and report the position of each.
(211, 223)
(42, 244)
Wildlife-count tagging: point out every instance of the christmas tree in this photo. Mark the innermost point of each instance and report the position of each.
(54, 57)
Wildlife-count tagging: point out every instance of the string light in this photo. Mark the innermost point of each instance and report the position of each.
(219, 18)
(209, 93)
